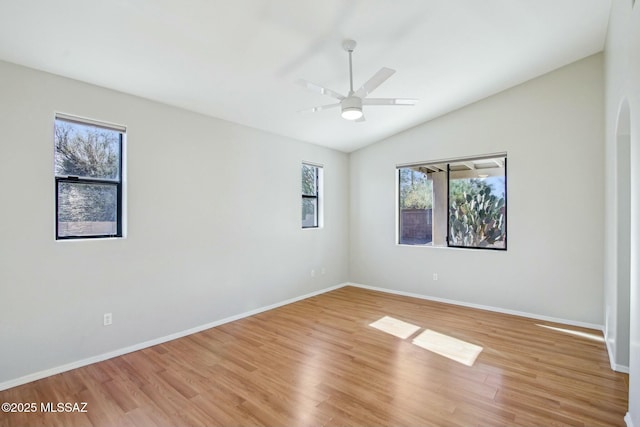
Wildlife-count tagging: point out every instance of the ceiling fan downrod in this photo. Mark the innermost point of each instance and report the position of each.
(352, 104)
(349, 45)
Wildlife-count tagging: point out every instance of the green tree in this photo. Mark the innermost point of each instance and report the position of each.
(415, 190)
(86, 151)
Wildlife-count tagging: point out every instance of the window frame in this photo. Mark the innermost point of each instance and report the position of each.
(118, 183)
(317, 213)
(448, 162)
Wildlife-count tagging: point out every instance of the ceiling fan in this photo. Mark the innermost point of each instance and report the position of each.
(351, 105)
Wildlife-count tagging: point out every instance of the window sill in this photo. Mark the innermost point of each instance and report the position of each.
(428, 245)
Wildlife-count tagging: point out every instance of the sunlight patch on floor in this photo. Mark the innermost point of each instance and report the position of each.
(593, 337)
(395, 327)
(449, 347)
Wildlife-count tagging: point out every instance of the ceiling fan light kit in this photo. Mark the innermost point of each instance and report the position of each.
(351, 105)
(351, 108)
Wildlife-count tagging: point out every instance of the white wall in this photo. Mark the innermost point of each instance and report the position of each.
(552, 129)
(622, 78)
(214, 226)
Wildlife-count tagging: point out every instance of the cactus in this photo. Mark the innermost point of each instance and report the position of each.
(477, 218)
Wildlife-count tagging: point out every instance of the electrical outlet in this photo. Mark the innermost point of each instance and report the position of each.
(313, 273)
(435, 276)
(108, 319)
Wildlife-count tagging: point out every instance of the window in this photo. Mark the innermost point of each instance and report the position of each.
(88, 178)
(311, 190)
(455, 203)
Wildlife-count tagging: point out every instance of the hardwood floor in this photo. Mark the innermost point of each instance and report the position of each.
(318, 363)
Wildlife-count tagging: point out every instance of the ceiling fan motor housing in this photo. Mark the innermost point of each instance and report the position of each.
(352, 104)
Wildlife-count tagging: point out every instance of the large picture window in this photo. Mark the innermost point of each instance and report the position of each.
(88, 178)
(456, 203)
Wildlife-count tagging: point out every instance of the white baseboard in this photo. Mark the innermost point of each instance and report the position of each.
(483, 307)
(627, 419)
(119, 352)
(610, 352)
(614, 366)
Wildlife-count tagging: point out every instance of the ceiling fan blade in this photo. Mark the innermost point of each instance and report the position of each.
(319, 89)
(375, 81)
(389, 101)
(361, 119)
(320, 108)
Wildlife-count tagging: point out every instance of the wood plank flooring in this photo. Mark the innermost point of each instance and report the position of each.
(318, 363)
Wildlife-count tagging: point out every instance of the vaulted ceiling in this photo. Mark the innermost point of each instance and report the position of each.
(239, 60)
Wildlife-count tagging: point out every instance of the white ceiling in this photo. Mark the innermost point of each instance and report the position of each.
(239, 60)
